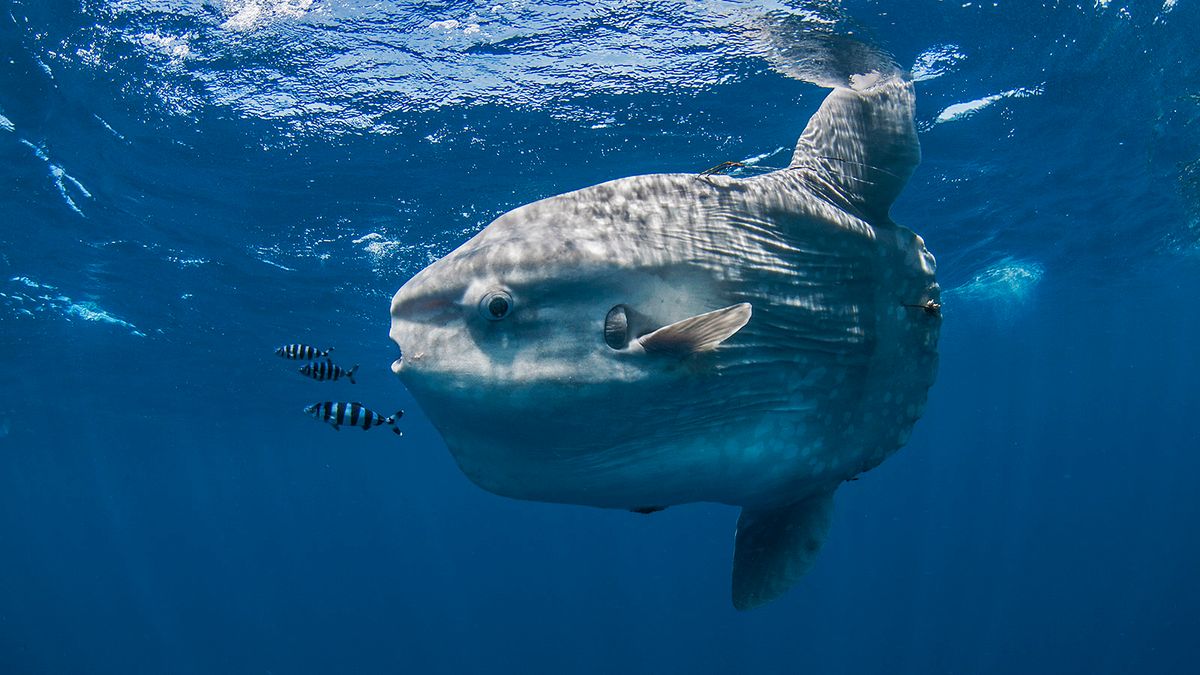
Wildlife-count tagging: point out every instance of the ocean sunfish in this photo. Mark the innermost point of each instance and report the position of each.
(673, 338)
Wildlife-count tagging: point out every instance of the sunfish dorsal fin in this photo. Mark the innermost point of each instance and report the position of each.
(775, 547)
(863, 143)
(699, 333)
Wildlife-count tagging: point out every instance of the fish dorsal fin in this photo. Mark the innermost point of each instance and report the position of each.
(699, 333)
(775, 547)
(863, 143)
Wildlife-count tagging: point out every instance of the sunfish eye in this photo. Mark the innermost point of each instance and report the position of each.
(495, 305)
(616, 328)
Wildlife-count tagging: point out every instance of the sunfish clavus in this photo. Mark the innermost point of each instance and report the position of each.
(675, 338)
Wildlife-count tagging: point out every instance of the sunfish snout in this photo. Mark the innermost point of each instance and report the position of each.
(421, 312)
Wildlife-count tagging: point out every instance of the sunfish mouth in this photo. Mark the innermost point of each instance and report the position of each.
(410, 359)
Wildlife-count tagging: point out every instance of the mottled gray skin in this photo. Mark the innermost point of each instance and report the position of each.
(825, 380)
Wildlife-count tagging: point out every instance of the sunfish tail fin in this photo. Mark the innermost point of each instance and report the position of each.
(863, 142)
(775, 547)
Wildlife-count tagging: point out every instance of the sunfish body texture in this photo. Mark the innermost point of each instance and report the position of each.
(669, 338)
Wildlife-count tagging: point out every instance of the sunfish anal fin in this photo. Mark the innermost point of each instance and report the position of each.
(775, 547)
(699, 333)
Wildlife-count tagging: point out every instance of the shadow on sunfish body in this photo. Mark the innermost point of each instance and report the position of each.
(665, 339)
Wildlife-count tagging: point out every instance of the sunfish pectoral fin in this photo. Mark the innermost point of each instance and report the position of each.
(863, 142)
(775, 547)
(698, 333)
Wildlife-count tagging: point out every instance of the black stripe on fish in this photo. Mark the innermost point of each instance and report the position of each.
(359, 412)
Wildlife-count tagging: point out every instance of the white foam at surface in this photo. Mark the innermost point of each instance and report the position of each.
(379, 246)
(108, 126)
(174, 47)
(45, 68)
(369, 60)
(61, 177)
(188, 262)
(935, 62)
(28, 306)
(452, 25)
(1003, 286)
(960, 111)
(758, 158)
(30, 282)
(245, 15)
(272, 263)
(91, 312)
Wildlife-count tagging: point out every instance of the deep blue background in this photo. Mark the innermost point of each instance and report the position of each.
(165, 506)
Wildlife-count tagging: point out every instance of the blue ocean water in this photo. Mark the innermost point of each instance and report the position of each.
(186, 185)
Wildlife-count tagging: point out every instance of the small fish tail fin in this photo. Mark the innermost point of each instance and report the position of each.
(350, 373)
(326, 352)
(393, 419)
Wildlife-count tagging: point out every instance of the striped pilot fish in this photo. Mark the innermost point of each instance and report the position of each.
(298, 352)
(354, 414)
(327, 371)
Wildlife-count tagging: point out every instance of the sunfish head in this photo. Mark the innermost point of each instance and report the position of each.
(532, 347)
